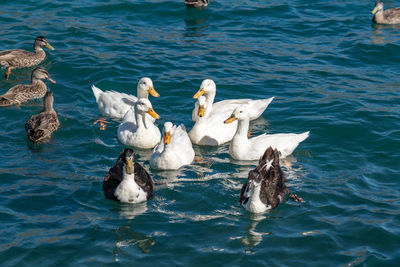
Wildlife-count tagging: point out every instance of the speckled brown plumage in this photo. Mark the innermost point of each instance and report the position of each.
(389, 16)
(42, 125)
(115, 176)
(18, 58)
(24, 92)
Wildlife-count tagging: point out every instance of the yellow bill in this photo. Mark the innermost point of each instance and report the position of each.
(374, 10)
(129, 166)
(167, 138)
(199, 93)
(153, 113)
(153, 92)
(49, 47)
(200, 112)
(232, 118)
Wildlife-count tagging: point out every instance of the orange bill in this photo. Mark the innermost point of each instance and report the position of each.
(153, 113)
(167, 138)
(200, 112)
(230, 119)
(199, 93)
(153, 92)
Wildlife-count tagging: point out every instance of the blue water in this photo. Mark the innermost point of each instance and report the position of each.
(332, 72)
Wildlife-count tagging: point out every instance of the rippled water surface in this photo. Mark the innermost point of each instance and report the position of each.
(332, 72)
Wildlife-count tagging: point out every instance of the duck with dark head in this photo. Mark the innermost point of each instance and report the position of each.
(18, 58)
(23, 92)
(42, 125)
(389, 16)
(127, 181)
(265, 188)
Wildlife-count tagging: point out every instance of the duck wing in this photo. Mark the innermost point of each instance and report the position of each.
(41, 126)
(144, 180)
(243, 198)
(113, 179)
(8, 57)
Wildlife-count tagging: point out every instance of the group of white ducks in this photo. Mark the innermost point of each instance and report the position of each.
(214, 124)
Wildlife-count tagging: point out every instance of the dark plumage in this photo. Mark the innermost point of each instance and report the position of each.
(42, 125)
(24, 92)
(390, 16)
(197, 3)
(18, 58)
(115, 176)
(273, 187)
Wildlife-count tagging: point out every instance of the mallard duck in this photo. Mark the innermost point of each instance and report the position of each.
(243, 148)
(197, 3)
(265, 187)
(24, 92)
(174, 150)
(18, 58)
(390, 16)
(42, 125)
(209, 128)
(115, 105)
(127, 181)
(209, 89)
(136, 129)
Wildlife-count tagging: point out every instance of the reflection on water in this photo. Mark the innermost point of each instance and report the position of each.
(254, 238)
(384, 34)
(126, 237)
(130, 211)
(196, 22)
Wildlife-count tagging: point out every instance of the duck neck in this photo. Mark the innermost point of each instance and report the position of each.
(38, 49)
(129, 177)
(142, 93)
(140, 119)
(379, 17)
(210, 96)
(48, 105)
(243, 128)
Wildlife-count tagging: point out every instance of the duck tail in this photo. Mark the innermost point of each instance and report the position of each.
(97, 92)
(303, 136)
(36, 135)
(5, 102)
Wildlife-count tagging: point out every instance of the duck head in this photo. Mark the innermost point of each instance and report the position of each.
(378, 7)
(41, 42)
(41, 73)
(143, 106)
(239, 113)
(167, 132)
(207, 87)
(145, 87)
(128, 159)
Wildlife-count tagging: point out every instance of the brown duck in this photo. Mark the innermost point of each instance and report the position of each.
(24, 92)
(42, 125)
(18, 58)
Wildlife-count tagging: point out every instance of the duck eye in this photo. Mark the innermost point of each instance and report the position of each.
(241, 111)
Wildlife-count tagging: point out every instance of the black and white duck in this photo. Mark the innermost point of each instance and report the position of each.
(24, 92)
(390, 16)
(127, 181)
(42, 125)
(18, 58)
(266, 185)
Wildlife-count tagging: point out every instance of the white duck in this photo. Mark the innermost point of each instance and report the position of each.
(115, 105)
(243, 148)
(136, 129)
(208, 89)
(209, 129)
(174, 150)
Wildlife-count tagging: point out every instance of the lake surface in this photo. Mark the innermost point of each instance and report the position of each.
(332, 72)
